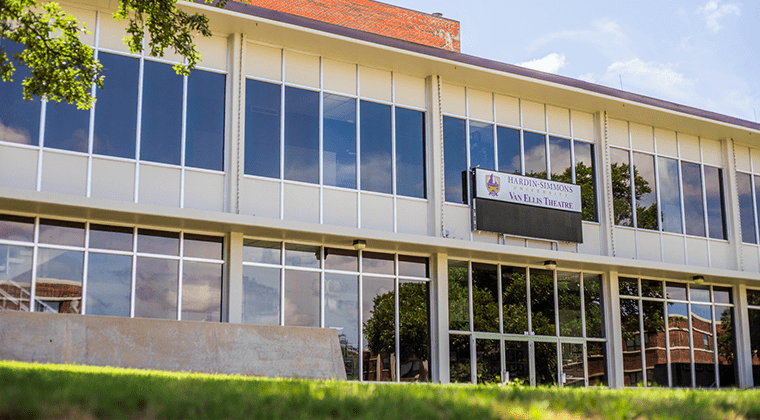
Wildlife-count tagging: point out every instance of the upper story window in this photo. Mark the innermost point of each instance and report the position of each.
(316, 137)
(748, 189)
(145, 111)
(469, 143)
(671, 187)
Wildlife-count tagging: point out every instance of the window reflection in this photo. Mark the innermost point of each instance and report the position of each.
(542, 302)
(58, 232)
(725, 334)
(111, 237)
(459, 358)
(569, 302)
(654, 343)
(204, 139)
(19, 119)
(481, 145)
(201, 291)
(678, 334)
(109, 280)
(261, 295)
(302, 255)
(631, 341)
(573, 365)
(488, 356)
(620, 173)
(261, 251)
(559, 150)
(535, 154)
(670, 199)
(546, 370)
(459, 309)
(509, 150)
(342, 313)
(377, 263)
(116, 108)
(202, 246)
(16, 228)
(262, 134)
(161, 123)
(156, 288)
(339, 139)
(15, 277)
(646, 191)
(341, 259)
(593, 300)
(301, 135)
(67, 127)
(596, 353)
(516, 361)
(704, 350)
(692, 199)
(157, 242)
(59, 281)
(746, 211)
(376, 147)
(514, 300)
(585, 176)
(414, 331)
(716, 217)
(754, 338)
(485, 297)
(455, 158)
(410, 153)
(379, 344)
(301, 298)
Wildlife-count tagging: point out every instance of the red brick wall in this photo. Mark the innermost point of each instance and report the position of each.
(374, 17)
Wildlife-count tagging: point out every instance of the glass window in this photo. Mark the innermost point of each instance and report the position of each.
(410, 153)
(593, 300)
(485, 298)
(680, 357)
(202, 246)
(459, 309)
(19, 119)
(596, 359)
(261, 251)
(161, 126)
(716, 217)
(67, 127)
(204, 141)
(377, 263)
(724, 328)
(116, 108)
(546, 371)
(746, 210)
(675, 291)
(201, 291)
(569, 303)
(301, 298)
(455, 159)
(646, 191)
(342, 314)
(17, 228)
(572, 364)
(341, 259)
(157, 242)
(620, 173)
(459, 358)
(412, 266)
(670, 198)
(15, 277)
(481, 145)
(514, 300)
(509, 150)
(704, 350)
(156, 293)
(651, 289)
(59, 281)
(585, 176)
(754, 339)
(262, 134)
(542, 302)
(109, 280)
(654, 342)
(559, 151)
(339, 139)
(378, 317)
(628, 286)
(301, 135)
(631, 340)
(692, 198)
(302, 255)
(58, 232)
(110, 237)
(488, 357)
(376, 147)
(261, 295)
(535, 154)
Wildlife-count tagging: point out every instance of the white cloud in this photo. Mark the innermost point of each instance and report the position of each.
(549, 64)
(588, 77)
(712, 12)
(650, 78)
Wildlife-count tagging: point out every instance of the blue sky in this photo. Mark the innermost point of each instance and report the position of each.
(703, 53)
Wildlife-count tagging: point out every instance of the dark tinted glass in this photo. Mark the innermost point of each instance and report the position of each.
(376, 147)
(514, 300)
(692, 199)
(412, 266)
(379, 331)
(58, 232)
(757, 197)
(716, 216)
(569, 302)
(454, 158)
(670, 198)
(628, 286)
(488, 361)
(481, 145)
(204, 141)
(262, 134)
(517, 360)
(646, 191)
(651, 289)
(508, 140)
(161, 127)
(301, 135)
(620, 172)
(459, 358)
(746, 210)
(201, 291)
(414, 330)
(535, 154)
(753, 297)
(341, 259)
(459, 307)
(410, 153)
(66, 127)
(585, 176)
(485, 297)
(16, 228)
(111, 237)
(20, 119)
(157, 242)
(546, 371)
(202, 246)
(109, 278)
(631, 340)
(542, 302)
(593, 300)
(559, 150)
(116, 108)
(261, 295)
(339, 140)
(156, 288)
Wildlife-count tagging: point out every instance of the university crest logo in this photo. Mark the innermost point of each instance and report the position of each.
(493, 183)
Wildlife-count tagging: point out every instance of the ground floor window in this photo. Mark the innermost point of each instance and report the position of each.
(753, 301)
(378, 303)
(534, 325)
(58, 266)
(677, 334)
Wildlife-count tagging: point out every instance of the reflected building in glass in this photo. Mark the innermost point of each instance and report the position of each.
(312, 175)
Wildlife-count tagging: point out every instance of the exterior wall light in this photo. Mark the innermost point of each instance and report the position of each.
(698, 279)
(359, 244)
(550, 264)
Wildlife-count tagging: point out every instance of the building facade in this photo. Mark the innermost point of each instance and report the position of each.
(309, 173)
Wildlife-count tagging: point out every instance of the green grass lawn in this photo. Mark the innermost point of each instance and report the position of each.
(65, 391)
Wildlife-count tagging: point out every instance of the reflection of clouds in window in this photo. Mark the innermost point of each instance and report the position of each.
(11, 134)
(692, 197)
(261, 295)
(535, 154)
(301, 298)
(201, 291)
(339, 138)
(481, 145)
(376, 173)
(559, 150)
(156, 288)
(670, 199)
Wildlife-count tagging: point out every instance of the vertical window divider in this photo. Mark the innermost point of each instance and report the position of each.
(473, 352)
(282, 283)
(691, 342)
(183, 142)
(714, 340)
(91, 130)
(361, 317)
(398, 317)
(282, 144)
(556, 303)
(321, 146)
(133, 285)
(140, 77)
(467, 150)
(495, 133)
(658, 198)
(528, 301)
(86, 266)
(667, 339)
(35, 258)
(322, 281)
(680, 192)
(180, 269)
(547, 146)
(642, 336)
(41, 142)
(393, 151)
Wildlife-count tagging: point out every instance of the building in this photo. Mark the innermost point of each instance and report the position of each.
(312, 173)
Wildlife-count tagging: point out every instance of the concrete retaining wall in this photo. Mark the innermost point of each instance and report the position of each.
(171, 345)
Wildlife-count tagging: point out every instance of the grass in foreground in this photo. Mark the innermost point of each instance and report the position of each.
(65, 391)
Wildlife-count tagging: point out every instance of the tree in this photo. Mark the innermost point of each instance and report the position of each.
(64, 69)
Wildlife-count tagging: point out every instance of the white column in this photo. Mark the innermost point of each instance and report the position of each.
(741, 332)
(235, 122)
(606, 216)
(733, 221)
(439, 363)
(434, 145)
(234, 295)
(614, 330)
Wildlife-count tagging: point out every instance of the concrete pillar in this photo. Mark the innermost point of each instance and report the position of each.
(733, 221)
(434, 144)
(235, 121)
(440, 318)
(235, 278)
(614, 326)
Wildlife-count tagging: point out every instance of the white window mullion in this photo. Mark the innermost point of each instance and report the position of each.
(35, 258)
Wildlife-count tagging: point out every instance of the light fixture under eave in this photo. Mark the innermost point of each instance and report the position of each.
(550, 264)
(698, 279)
(360, 244)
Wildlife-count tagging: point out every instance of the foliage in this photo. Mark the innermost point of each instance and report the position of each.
(58, 391)
(622, 200)
(413, 322)
(64, 69)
